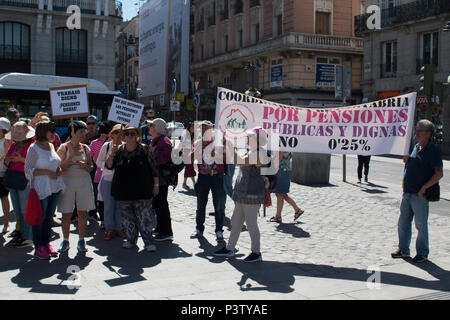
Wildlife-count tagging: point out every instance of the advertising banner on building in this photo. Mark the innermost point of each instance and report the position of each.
(69, 102)
(164, 46)
(126, 112)
(325, 75)
(379, 127)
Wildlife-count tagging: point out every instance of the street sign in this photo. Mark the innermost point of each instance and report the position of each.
(196, 84)
(180, 96)
(175, 105)
(196, 100)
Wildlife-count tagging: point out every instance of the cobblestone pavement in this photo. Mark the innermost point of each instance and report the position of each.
(346, 229)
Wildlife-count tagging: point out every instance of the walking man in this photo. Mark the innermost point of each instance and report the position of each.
(423, 169)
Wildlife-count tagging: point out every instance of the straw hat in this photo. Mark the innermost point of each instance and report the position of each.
(20, 132)
(129, 128)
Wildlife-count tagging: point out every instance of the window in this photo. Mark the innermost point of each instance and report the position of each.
(329, 60)
(389, 59)
(71, 45)
(71, 53)
(14, 41)
(279, 20)
(213, 47)
(240, 38)
(255, 33)
(429, 45)
(323, 23)
(225, 43)
(202, 52)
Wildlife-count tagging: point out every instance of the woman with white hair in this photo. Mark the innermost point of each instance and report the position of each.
(249, 194)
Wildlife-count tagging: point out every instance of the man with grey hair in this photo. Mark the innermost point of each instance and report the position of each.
(423, 169)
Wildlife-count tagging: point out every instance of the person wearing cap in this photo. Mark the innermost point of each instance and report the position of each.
(112, 217)
(162, 148)
(210, 178)
(22, 137)
(42, 169)
(76, 165)
(5, 126)
(249, 194)
(134, 184)
(104, 128)
(92, 125)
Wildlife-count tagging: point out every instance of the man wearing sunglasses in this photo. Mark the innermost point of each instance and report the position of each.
(423, 169)
(92, 124)
(146, 135)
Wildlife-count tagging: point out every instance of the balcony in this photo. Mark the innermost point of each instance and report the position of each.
(86, 6)
(211, 21)
(255, 3)
(20, 3)
(11, 52)
(413, 11)
(71, 56)
(290, 41)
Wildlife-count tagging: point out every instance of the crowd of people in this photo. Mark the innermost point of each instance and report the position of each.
(120, 175)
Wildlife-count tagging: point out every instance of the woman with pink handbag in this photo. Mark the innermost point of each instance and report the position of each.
(42, 168)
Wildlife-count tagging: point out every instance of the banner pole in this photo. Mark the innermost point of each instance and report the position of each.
(344, 157)
(71, 124)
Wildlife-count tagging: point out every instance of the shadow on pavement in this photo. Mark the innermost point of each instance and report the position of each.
(189, 192)
(365, 188)
(279, 277)
(292, 229)
(33, 271)
(129, 264)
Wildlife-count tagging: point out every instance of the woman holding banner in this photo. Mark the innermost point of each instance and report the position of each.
(248, 195)
(76, 164)
(282, 188)
(113, 219)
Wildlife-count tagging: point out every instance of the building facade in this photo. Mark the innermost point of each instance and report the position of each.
(34, 38)
(410, 37)
(127, 59)
(287, 49)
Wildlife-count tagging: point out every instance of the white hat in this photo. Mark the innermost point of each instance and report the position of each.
(5, 124)
(20, 132)
(207, 123)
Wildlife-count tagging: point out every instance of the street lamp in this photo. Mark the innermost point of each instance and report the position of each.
(252, 66)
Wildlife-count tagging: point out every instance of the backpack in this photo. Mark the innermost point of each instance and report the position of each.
(169, 171)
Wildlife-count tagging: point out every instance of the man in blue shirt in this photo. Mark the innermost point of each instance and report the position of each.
(146, 136)
(423, 169)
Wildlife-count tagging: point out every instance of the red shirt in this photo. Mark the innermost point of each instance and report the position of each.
(19, 166)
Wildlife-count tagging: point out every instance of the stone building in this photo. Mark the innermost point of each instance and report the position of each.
(411, 36)
(127, 59)
(287, 49)
(34, 38)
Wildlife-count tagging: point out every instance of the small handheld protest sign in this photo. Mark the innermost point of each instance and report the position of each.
(69, 102)
(126, 112)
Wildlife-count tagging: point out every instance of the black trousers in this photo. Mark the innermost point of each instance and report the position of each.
(363, 161)
(161, 206)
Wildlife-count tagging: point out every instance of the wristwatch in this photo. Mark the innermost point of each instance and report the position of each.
(156, 185)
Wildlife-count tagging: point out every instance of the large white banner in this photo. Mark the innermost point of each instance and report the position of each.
(164, 46)
(153, 31)
(380, 127)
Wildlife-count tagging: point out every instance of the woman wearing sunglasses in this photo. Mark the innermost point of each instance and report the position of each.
(134, 184)
(42, 169)
(76, 165)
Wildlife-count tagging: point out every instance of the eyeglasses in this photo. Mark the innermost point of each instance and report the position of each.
(91, 123)
(132, 134)
(421, 130)
(52, 130)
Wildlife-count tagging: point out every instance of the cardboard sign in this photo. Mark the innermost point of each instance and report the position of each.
(69, 102)
(126, 112)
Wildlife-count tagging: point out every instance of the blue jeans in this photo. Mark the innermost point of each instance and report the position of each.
(204, 184)
(19, 202)
(228, 185)
(413, 207)
(42, 232)
(113, 218)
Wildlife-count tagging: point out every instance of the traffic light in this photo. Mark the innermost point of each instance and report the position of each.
(427, 79)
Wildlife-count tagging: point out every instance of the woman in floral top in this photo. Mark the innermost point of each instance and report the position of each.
(282, 188)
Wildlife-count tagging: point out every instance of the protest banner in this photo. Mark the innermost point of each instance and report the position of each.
(379, 127)
(126, 112)
(69, 102)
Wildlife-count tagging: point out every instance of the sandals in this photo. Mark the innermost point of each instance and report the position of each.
(298, 214)
(275, 219)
